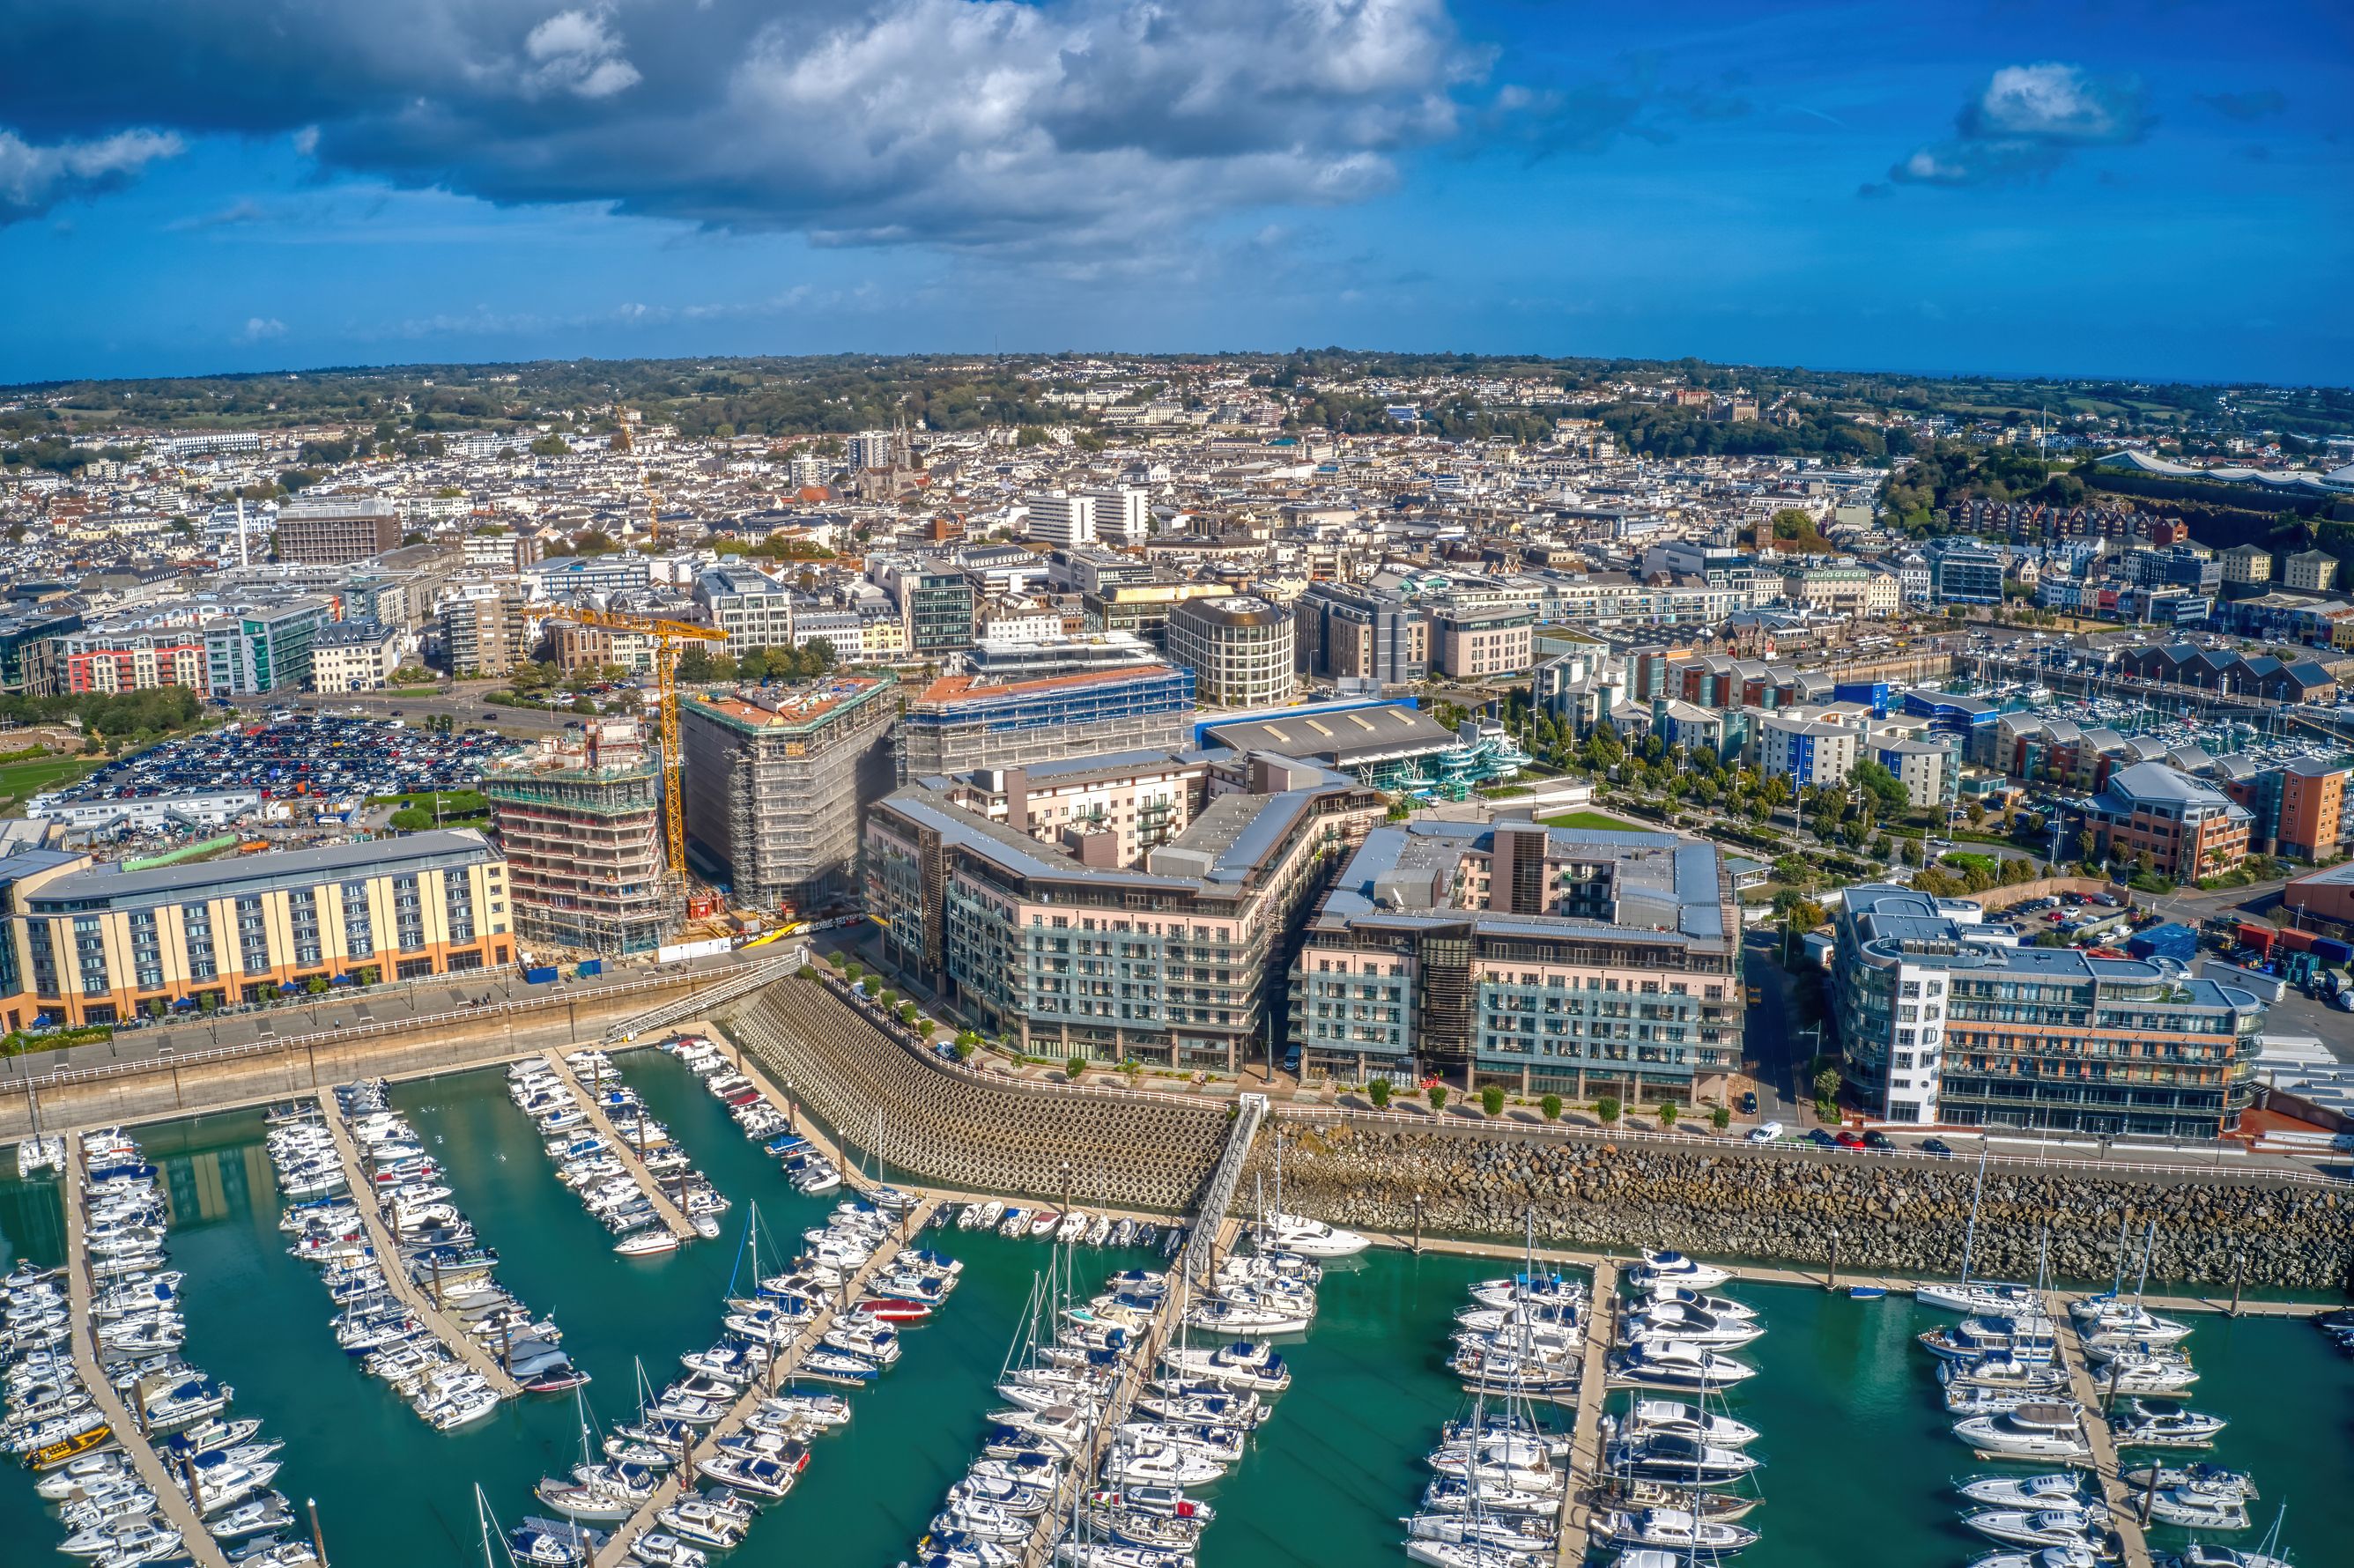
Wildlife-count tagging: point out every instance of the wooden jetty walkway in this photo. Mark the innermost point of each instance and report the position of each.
(1586, 1436)
(395, 1268)
(673, 1218)
(174, 1503)
(2124, 1516)
(616, 1550)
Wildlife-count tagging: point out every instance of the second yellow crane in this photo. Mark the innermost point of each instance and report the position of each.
(669, 638)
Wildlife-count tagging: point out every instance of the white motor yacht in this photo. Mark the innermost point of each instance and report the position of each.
(2038, 1429)
(1673, 1269)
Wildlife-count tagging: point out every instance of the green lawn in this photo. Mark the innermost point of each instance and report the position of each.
(19, 781)
(1596, 820)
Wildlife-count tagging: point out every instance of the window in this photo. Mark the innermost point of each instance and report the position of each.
(252, 937)
(196, 931)
(359, 931)
(89, 955)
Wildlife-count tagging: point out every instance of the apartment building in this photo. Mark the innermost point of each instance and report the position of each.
(1001, 720)
(1180, 962)
(1239, 648)
(580, 819)
(1480, 644)
(2189, 829)
(2312, 809)
(482, 629)
(1345, 633)
(778, 780)
(1545, 959)
(579, 647)
(1108, 810)
(753, 608)
(354, 656)
(1964, 572)
(1060, 517)
(333, 530)
(131, 658)
(262, 649)
(2314, 571)
(1804, 750)
(1940, 1024)
(87, 942)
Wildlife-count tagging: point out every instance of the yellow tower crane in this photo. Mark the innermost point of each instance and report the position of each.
(669, 637)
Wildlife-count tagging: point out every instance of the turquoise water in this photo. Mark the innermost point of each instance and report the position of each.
(1856, 1445)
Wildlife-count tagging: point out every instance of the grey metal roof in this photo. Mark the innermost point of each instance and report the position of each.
(109, 886)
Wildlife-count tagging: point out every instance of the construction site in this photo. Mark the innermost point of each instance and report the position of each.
(773, 782)
(580, 819)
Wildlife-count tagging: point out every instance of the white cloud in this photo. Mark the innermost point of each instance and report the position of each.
(2056, 102)
(34, 178)
(259, 328)
(2024, 123)
(574, 52)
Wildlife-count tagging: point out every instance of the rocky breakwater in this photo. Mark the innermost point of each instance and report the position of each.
(1904, 1217)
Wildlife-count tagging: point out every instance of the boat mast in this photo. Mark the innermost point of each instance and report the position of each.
(2117, 1285)
(2148, 1242)
(1970, 1236)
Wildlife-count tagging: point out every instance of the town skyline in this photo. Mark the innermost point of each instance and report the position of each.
(2115, 192)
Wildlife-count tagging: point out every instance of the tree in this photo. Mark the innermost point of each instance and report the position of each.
(1438, 1097)
(1491, 1100)
(1827, 1084)
(1073, 1066)
(1720, 1119)
(1883, 789)
(1667, 1113)
(1379, 1092)
(1549, 1107)
(1607, 1107)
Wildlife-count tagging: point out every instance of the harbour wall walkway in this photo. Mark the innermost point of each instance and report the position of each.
(1904, 1218)
(948, 1125)
(952, 1127)
(194, 1539)
(162, 1088)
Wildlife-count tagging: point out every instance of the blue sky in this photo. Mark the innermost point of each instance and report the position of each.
(2114, 188)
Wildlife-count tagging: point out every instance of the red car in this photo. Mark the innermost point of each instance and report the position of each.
(1851, 1140)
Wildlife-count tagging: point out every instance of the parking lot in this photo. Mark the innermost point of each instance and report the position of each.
(332, 759)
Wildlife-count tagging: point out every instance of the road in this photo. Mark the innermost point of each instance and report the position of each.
(1773, 1053)
(341, 1009)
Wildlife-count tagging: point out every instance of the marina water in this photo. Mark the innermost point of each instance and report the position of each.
(1860, 1465)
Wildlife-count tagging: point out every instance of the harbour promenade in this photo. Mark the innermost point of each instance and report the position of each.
(1585, 1436)
(395, 1267)
(2123, 1516)
(129, 1430)
(779, 1374)
(626, 1148)
(367, 1034)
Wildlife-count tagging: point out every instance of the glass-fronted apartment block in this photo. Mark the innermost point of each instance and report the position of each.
(90, 943)
(1542, 959)
(1944, 1021)
(1179, 960)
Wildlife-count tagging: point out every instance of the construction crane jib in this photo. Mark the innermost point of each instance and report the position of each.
(669, 637)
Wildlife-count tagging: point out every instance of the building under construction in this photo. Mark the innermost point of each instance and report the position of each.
(777, 783)
(579, 818)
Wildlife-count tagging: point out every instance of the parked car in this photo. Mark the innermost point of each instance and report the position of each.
(1749, 1102)
(1938, 1146)
(1849, 1140)
(1765, 1132)
(1878, 1140)
(1821, 1139)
